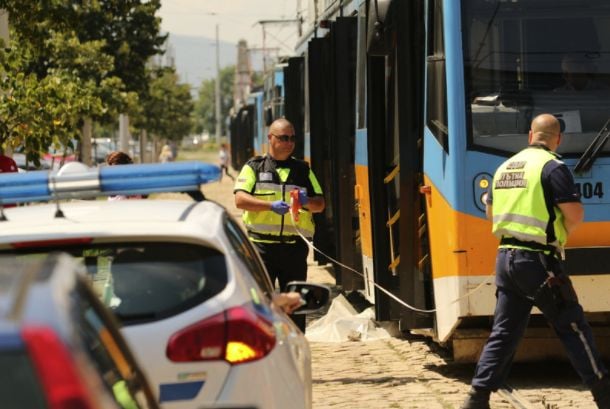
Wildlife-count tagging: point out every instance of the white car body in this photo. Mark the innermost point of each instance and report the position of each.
(279, 380)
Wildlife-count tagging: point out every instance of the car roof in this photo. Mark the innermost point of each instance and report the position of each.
(121, 218)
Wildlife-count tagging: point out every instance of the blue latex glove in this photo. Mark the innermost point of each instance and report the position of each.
(280, 207)
(303, 199)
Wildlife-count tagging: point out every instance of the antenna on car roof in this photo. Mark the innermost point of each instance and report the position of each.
(59, 214)
(2, 215)
(63, 175)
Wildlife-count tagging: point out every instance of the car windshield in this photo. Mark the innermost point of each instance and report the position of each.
(526, 57)
(148, 281)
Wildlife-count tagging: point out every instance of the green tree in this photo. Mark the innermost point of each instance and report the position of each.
(131, 32)
(128, 29)
(73, 59)
(167, 107)
(36, 112)
(205, 106)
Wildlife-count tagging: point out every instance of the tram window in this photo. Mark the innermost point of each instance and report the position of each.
(533, 56)
(436, 106)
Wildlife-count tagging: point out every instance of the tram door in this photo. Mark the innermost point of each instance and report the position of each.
(242, 134)
(394, 99)
(321, 99)
(415, 275)
(295, 100)
(343, 36)
(332, 76)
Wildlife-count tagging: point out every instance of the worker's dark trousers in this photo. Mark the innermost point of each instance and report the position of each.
(286, 262)
(519, 273)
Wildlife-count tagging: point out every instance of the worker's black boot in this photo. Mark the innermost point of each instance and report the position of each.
(601, 393)
(477, 399)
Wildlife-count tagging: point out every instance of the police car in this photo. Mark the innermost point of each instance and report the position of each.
(190, 290)
(59, 346)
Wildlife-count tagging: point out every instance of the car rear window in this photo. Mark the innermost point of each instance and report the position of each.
(19, 385)
(147, 281)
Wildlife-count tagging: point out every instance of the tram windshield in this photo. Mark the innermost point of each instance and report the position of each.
(526, 57)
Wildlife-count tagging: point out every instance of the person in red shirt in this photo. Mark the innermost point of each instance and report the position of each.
(7, 164)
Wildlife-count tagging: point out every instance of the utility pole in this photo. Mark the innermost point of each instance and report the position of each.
(217, 88)
(264, 51)
(299, 19)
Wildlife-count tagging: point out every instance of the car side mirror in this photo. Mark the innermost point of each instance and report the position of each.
(314, 296)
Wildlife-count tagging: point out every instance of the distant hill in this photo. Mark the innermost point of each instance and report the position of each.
(195, 57)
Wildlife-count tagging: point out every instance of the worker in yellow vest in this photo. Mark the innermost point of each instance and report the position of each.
(263, 190)
(534, 205)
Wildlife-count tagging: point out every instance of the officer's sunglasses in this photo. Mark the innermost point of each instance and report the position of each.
(285, 138)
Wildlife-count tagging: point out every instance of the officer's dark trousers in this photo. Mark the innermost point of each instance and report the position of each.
(286, 262)
(519, 273)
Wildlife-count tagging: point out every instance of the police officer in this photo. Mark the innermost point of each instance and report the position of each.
(262, 190)
(535, 206)
(7, 165)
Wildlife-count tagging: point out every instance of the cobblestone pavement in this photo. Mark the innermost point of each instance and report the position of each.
(409, 373)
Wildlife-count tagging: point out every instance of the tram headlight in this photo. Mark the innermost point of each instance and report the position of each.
(480, 186)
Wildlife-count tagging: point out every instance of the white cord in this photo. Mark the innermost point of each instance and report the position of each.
(395, 298)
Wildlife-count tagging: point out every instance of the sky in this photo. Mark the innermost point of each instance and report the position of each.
(236, 19)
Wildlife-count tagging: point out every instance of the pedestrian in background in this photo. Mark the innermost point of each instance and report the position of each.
(166, 154)
(534, 205)
(120, 158)
(263, 191)
(7, 165)
(224, 160)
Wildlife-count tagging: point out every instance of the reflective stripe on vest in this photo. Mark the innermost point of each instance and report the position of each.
(519, 207)
(289, 229)
(270, 223)
(272, 187)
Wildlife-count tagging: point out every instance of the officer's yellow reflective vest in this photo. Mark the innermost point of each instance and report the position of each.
(519, 208)
(271, 185)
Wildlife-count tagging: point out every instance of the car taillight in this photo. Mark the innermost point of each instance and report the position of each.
(51, 242)
(236, 335)
(58, 375)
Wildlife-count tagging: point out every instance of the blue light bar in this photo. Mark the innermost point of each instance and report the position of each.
(77, 181)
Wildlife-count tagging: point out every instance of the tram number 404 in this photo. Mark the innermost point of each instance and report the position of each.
(588, 190)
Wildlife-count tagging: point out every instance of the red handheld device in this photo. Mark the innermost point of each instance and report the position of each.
(295, 204)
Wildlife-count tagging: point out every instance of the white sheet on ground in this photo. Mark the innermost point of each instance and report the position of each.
(343, 323)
